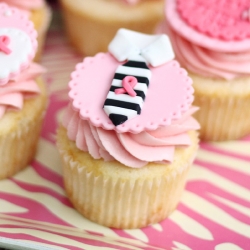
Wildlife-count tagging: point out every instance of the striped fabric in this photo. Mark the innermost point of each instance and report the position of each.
(121, 107)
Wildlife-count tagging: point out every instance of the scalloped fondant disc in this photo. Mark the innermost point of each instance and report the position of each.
(169, 94)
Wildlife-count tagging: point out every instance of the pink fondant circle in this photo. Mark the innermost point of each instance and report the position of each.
(190, 33)
(14, 18)
(170, 93)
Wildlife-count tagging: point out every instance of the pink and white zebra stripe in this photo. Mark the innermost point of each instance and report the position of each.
(214, 212)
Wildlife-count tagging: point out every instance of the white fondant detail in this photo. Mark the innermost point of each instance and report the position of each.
(125, 98)
(117, 110)
(134, 71)
(156, 49)
(20, 46)
(139, 86)
(136, 57)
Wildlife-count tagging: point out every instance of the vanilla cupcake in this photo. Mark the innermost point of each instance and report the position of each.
(39, 13)
(212, 40)
(22, 93)
(91, 25)
(128, 138)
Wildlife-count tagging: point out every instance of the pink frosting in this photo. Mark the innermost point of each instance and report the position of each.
(203, 54)
(22, 87)
(151, 136)
(25, 4)
(132, 150)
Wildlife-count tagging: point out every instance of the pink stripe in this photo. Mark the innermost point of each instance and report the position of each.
(44, 190)
(234, 176)
(98, 242)
(221, 151)
(36, 210)
(47, 174)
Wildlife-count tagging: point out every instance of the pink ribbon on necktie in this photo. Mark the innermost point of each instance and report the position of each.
(4, 42)
(128, 84)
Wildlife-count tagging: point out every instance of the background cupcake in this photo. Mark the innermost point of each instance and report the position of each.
(39, 13)
(22, 93)
(91, 25)
(127, 146)
(212, 40)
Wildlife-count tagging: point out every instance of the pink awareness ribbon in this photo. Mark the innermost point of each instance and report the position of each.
(4, 42)
(128, 84)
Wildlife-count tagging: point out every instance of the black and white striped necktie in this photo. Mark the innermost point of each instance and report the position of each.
(121, 107)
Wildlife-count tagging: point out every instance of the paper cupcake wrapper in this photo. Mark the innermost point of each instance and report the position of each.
(223, 118)
(18, 148)
(122, 203)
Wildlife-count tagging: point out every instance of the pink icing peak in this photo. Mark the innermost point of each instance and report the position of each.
(24, 86)
(13, 19)
(4, 42)
(128, 84)
(169, 95)
(220, 19)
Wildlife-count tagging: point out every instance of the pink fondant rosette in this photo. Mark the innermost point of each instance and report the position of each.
(128, 138)
(212, 40)
(22, 97)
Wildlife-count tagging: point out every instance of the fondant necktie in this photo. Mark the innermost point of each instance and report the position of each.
(128, 90)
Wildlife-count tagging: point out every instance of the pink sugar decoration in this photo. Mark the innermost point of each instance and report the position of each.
(128, 84)
(223, 19)
(4, 42)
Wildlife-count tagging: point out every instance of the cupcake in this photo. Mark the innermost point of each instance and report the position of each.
(39, 13)
(211, 39)
(128, 138)
(22, 92)
(91, 25)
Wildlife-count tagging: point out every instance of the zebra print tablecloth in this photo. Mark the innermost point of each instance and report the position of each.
(214, 212)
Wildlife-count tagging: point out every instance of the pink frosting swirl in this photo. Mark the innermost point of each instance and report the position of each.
(207, 62)
(132, 150)
(25, 4)
(24, 86)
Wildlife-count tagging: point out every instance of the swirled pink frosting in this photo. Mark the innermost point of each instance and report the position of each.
(132, 150)
(25, 4)
(207, 62)
(210, 38)
(24, 86)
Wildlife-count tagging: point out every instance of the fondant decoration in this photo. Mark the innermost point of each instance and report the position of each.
(138, 50)
(17, 35)
(128, 84)
(4, 42)
(170, 94)
(21, 48)
(122, 107)
(189, 32)
(217, 18)
(202, 54)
